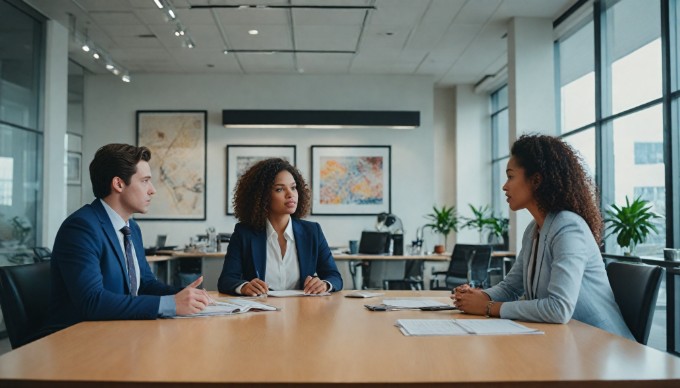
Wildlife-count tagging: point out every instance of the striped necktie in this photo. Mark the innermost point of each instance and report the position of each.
(132, 274)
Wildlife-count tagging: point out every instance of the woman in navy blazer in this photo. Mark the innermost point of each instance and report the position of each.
(559, 273)
(269, 200)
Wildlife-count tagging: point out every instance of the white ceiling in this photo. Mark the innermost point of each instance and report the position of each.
(456, 41)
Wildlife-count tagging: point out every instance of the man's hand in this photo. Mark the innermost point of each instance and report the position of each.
(191, 299)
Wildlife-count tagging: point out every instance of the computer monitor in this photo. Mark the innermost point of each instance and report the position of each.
(160, 240)
(374, 243)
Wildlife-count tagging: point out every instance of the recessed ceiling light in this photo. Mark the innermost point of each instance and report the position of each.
(225, 52)
(253, 32)
(86, 48)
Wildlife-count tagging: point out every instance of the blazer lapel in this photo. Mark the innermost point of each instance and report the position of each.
(258, 246)
(550, 217)
(110, 234)
(302, 244)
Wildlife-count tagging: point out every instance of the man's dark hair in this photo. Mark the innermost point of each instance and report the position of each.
(115, 160)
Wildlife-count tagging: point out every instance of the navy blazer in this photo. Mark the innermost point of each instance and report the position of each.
(89, 274)
(246, 256)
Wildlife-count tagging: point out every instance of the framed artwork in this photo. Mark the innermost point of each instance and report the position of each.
(241, 157)
(73, 168)
(177, 140)
(351, 180)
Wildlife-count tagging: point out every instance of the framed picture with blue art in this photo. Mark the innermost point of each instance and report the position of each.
(241, 157)
(177, 140)
(351, 180)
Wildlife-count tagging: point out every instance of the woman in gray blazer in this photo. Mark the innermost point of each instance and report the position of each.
(559, 273)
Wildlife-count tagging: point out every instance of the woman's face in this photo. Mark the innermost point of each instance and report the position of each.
(519, 190)
(284, 194)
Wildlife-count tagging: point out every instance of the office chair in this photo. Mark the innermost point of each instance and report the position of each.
(469, 264)
(24, 297)
(635, 288)
(42, 254)
(412, 277)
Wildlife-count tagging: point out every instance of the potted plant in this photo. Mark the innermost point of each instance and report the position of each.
(443, 221)
(480, 220)
(631, 223)
(499, 227)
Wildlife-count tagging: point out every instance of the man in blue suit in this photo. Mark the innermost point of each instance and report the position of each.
(98, 267)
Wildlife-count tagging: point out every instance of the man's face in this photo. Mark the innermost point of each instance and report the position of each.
(136, 197)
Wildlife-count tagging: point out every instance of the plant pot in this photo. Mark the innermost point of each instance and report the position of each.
(439, 249)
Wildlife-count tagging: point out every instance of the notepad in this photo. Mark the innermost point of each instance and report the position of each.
(229, 307)
(412, 303)
(289, 293)
(431, 327)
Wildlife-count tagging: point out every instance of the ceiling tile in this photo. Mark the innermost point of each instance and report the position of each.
(340, 38)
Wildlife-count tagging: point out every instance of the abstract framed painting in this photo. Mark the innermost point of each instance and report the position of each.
(241, 157)
(177, 140)
(351, 180)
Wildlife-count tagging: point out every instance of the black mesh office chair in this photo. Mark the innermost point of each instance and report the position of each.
(469, 264)
(635, 288)
(24, 297)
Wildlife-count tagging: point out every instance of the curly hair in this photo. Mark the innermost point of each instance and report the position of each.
(564, 183)
(252, 195)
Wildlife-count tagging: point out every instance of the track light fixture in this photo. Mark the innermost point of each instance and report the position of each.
(171, 16)
(99, 55)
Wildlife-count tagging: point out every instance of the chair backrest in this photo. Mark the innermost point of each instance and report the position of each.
(42, 254)
(24, 297)
(458, 268)
(635, 288)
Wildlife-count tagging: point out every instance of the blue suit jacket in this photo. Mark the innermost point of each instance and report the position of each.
(570, 281)
(247, 256)
(89, 274)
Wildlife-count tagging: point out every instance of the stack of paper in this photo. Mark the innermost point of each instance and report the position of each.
(287, 293)
(230, 306)
(418, 327)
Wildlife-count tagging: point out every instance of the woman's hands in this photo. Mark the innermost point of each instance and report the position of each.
(255, 287)
(314, 285)
(470, 300)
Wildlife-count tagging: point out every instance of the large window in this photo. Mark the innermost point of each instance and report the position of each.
(500, 145)
(577, 79)
(21, 138)
(632, 53)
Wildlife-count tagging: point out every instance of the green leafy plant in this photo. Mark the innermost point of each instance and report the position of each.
(443, 221)
(480, 220)
(631, 223)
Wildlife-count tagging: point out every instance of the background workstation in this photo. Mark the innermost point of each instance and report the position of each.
(470, 55)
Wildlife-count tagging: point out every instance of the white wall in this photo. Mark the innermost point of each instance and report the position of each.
(110, 107)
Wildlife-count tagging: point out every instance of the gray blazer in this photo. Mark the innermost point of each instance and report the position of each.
(570, 281)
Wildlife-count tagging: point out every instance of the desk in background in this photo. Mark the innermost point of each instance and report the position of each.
(165, 265)
(506, 259)
(361, 259)
(331, 340)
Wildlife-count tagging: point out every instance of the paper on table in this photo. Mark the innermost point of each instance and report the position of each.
(423, 327)
(231, 306)
(364, 294)
(287, 293)
(412, 303)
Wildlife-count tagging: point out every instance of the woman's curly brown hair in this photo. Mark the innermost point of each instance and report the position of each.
(252, 195)
(564, 183)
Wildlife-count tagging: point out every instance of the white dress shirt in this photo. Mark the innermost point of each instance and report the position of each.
(283, 272)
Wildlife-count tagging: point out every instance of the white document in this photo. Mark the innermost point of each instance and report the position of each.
(288, 293)
(228, 307)
(364, 294)
(426, 327)
(412, 303)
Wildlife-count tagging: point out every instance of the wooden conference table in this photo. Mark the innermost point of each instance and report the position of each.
(330, 340)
